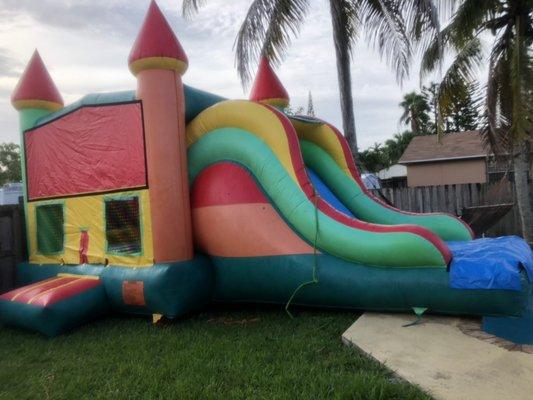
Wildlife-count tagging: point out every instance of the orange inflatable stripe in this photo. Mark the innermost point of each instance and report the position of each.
(245, 230)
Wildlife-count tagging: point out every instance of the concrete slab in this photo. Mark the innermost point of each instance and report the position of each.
(448, 357)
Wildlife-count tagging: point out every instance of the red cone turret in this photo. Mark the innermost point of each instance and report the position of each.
(36, 89)
(156, 46)
(267, 87)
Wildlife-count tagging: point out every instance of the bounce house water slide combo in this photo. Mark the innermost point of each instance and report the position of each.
(161, 200)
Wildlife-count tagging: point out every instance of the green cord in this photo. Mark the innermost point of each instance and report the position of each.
(315, 259)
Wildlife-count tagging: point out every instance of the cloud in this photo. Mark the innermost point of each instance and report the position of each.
(115, 18)
(9, 67)
(85, 44)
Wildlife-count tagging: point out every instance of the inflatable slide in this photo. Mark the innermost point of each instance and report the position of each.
(166, 198)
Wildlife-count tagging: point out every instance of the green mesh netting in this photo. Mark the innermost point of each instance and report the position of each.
(123, 228)
(50, 228)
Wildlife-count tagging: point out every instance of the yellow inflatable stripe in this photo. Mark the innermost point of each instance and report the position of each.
(31, 287)
(51, 289)
(252, 117)
(323, 136)
(95, 277)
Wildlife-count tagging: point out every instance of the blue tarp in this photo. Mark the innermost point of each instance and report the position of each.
(490, 263)
(326, 193)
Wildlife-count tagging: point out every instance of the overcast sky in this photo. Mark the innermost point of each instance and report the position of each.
(85, 45)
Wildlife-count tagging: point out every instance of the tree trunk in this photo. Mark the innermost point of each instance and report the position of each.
(521, 166)
(414, 124)
(345, 86)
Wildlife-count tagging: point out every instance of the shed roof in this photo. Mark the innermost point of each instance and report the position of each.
(459, 145)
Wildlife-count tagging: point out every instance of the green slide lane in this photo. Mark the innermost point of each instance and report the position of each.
(367, 209)
(387, 249)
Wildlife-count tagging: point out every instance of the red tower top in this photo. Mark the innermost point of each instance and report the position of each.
(156, 46)
(36, 89)
(267, 87)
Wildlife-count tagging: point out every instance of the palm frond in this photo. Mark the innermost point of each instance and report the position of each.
(520, 78)
(498, 108)
(463, 69)
(433, 54)
(470, 18)
(268, 28)
(385, 29)
(422, 19)
(190, 7)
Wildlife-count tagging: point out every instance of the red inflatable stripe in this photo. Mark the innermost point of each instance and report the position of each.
(50, 291)
(25, 293)
(63, 292)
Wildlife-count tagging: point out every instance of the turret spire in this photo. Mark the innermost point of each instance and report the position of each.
(36, 89)
(267, 87)
(156, 46)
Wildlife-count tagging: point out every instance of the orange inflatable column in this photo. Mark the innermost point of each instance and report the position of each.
(158, 61)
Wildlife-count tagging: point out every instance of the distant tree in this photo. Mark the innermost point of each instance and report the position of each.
(381, 156)
(290, 111)
(310, 106)
(431, 94)
(9, 163)
(415, 112)
(374, 158)
(395, 147)
(461, 111)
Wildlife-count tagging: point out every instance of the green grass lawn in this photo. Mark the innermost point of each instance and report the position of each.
(256, 353)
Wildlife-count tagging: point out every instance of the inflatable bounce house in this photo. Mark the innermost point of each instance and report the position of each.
(163, 199)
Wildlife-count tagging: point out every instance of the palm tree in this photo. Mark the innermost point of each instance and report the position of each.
(395, 147)
(508, 94)
(270, 25)
(415, 112)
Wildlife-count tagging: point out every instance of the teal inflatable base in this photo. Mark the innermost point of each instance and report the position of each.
(347, 285)
(176, 289)
(518, 330)
(172, 289)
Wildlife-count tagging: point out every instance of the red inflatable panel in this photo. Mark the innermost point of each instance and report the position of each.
(93, 149)
(225, 183)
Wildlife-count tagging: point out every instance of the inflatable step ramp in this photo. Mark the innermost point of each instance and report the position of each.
(54, 305)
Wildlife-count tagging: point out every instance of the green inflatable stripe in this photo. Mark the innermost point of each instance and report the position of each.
(390, 249)
(445, 226)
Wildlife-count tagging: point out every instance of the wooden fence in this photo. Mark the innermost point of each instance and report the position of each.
(453, 198)
(12, 243)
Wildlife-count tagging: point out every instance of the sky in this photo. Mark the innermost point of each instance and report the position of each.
(85, 45)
